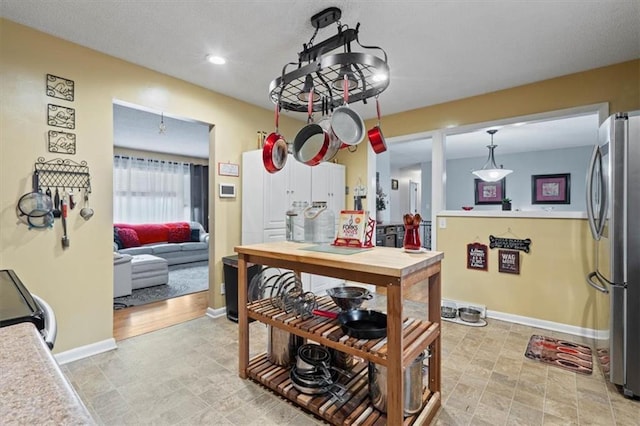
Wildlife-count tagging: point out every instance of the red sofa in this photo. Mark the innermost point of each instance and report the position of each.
(177, 242)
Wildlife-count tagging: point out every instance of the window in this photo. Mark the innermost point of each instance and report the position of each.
(150, 191)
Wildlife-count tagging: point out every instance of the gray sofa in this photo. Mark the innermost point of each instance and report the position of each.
(175, 253)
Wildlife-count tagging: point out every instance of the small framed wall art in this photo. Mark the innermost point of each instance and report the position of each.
(489, 192)
(61, 142)
(509, 261)
(551, 189)
(60, 116)
(394, 184)
(61, 88)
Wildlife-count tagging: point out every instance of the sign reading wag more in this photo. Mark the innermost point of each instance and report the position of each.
(352, 225)
(477, 256)
(509, 261)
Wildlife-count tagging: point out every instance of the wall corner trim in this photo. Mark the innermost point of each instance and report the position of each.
(85, 351)
(215, 313)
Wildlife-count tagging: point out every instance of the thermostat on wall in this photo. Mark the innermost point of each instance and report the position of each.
(227, 190)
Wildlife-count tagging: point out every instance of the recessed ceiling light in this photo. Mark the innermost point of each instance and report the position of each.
(522, 123)
(218, 60)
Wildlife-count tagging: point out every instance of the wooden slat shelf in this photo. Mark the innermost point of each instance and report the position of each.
(386, 267)
(355, 408)
(417, 335)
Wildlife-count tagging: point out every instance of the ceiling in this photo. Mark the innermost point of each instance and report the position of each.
(438, 50)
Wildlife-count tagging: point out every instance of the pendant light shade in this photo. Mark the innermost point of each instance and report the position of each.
(306, 89)
(490, 172)
(345, 70)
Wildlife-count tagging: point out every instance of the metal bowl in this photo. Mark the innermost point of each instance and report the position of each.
(348, 298)
(447, 312)
(469, 314)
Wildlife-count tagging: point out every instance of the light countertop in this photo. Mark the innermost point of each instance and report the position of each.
(33, 389)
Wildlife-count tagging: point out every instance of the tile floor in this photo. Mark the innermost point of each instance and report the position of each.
(187, 375)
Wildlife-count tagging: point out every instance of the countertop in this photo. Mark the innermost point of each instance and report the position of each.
(33, 389)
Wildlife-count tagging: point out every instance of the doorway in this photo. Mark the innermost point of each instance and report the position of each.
(147, 142)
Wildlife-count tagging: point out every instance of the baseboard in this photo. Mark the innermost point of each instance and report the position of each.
(86, 351)
(549, 325)
(216, 313)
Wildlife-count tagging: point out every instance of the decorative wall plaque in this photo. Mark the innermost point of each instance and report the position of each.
(509, 243)
(509, 261)
(62, 142)
(61, 88)
(477, 255)
(60, 116)
(228, 169)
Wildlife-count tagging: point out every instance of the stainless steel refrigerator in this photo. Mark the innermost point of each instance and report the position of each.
(613, 209)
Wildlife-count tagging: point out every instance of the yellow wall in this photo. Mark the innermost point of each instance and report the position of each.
(551, 285)
(77, 282)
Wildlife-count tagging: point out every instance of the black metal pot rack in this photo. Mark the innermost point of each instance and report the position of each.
(325, 68)
(61, 173)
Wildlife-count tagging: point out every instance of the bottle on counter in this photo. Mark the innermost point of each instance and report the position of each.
(295, 221)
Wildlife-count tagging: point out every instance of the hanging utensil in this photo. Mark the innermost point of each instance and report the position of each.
(65, 238)
(275, 150)
(312, 141)
(346, 123)
(72, 202)
(86, 212)
(56, 204)
(375, 134)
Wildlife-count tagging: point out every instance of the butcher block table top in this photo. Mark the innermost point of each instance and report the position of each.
(387, 262)
(33, 390)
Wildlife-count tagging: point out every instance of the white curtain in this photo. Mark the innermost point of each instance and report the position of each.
(150, 191)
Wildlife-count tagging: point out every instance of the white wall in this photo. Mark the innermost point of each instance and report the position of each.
(399, 199)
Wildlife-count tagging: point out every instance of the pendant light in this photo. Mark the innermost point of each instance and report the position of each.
(162, 128)
(345, 74)
(490, 172)
(306, 89)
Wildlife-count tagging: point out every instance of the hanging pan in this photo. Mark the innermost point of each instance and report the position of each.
(275, 151)
(375, 134)
(346, 123)
(312, 141)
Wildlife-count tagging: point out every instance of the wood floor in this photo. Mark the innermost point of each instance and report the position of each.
(143, 319)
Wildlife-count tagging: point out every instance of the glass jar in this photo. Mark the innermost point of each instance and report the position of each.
(319, 223)
(295, 221)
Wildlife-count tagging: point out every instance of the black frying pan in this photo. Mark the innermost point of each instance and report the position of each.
(359, 323)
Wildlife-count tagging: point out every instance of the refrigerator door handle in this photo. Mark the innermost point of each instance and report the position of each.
(596, 157)
(600, 285)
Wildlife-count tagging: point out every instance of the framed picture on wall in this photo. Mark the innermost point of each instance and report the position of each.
(394, 184)
(551, 189)
(489, 192)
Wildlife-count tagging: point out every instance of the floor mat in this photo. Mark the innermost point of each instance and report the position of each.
(560, 353)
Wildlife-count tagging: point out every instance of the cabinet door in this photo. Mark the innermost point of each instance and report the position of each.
(328, 181)
(299, 182)
(253, 176)
(274, 235)
(276, 197)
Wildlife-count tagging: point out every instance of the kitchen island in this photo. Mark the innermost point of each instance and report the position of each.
(406, 339)
(33, 390)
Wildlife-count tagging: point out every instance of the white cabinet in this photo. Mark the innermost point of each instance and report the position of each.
(281, 189)
(328, 184)
(267, 196)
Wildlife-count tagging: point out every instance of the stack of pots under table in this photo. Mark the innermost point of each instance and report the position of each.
(350, 299)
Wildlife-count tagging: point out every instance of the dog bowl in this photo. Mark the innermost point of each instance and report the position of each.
(447, 312)
(469, 314)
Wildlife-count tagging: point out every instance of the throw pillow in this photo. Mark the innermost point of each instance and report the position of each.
(116, 238)
(195, 235)
(129, 238)
(179, 233)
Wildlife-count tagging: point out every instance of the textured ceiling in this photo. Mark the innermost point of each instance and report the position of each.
(438, 50)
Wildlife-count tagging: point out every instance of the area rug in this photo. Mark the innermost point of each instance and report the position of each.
(560, 353)
(183, 279)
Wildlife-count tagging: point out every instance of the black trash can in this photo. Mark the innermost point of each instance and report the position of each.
(230, 270)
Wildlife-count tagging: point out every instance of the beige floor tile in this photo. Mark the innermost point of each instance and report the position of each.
(522, 415)
(449, 416)
(551, 420)
(565, 411)
(533, 400)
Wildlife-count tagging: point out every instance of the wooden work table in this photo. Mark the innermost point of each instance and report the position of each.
(387, 267)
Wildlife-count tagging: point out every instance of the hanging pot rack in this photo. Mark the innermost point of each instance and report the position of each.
(325, 68)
